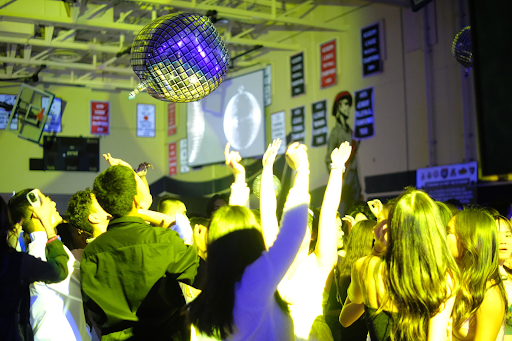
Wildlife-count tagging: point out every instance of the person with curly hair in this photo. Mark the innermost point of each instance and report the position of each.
(86, 214)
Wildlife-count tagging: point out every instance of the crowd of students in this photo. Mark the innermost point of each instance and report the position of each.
(412, 269)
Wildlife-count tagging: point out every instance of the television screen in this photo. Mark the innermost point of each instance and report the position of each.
(4, 114)
(53, 122)
(233, 113)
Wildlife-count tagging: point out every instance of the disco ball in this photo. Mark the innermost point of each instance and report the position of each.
(179, 58)
(257, 183)
(242, 119)
(461, 47)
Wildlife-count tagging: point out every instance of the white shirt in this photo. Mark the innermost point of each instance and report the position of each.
(56, 310)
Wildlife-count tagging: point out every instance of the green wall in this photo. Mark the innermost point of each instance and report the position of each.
(400, 142)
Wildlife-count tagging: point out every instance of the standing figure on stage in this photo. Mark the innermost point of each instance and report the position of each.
(339, 134)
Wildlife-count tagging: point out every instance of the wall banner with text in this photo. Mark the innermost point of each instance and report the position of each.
(328, 69)
(364, 127)
(278, 129)
(319, 124)
(371, 49)
(457, 181)
(184, 167)
(100, 118)
(297, 74)
(146, 120)
(173, 159)
(171, 119)
(267, 85)
(298, 124)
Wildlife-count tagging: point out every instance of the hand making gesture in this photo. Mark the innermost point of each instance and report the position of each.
(233, 162)
(270, 155)
(340, 156)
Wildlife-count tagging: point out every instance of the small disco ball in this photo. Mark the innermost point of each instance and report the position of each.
(257, 182)
(461, 47)
(179, 58)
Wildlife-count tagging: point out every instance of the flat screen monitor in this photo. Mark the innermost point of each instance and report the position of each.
(233, 113)
(4, 114)
(54, 120)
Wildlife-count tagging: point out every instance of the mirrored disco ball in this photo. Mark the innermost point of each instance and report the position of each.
(242, 119)
(461, 47)
(179, 58)
(257, 183)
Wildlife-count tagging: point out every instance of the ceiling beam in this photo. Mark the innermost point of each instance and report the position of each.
(401, 3)
(81, 66)
(65, 35)
(250, 42)
(80, 24)
(235, 12)
(134, 29)
(62, 45)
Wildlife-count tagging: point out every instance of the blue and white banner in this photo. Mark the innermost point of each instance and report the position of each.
(364, 127)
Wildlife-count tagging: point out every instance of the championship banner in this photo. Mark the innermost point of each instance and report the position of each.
(173, 159)
(371, 49)
(171, 119)
(184, 167)
(319, 124)
(364, 123)
(298, 127)
(145, 120)
(100, 118)
(278, 129)
(297, 74)
(328, 69)
(267, 85)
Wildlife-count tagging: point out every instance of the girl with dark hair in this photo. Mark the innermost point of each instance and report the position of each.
(505, 236)
(481, 303)
(18, 270)
(406, 286)
(359, 245)
(239, 300)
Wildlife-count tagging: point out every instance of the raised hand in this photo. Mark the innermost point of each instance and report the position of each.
(270, 155)
(114, 162)
(142, 170)
(297, 156)
(381, 236)
(350, 221)
(47, 213)
(375, 206)
(233, 161)
(340, 155)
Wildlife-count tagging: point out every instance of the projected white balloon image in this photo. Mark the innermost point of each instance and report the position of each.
(195, 129)
(242, 119)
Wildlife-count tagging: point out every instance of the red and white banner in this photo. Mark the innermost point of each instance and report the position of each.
(171, 119)
(100, 118)
(328, 62)
(173, 159)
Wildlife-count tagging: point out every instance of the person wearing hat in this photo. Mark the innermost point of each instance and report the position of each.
(339, 134)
